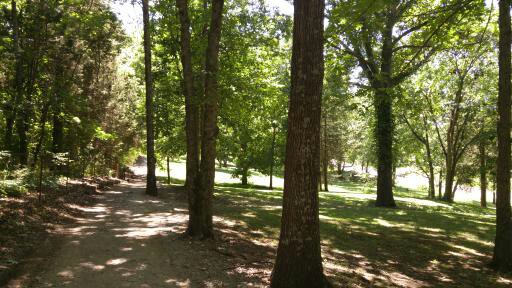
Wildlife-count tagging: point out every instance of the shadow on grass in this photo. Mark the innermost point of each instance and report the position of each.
(413, 246)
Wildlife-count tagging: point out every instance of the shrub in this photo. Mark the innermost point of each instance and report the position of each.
(12, 189)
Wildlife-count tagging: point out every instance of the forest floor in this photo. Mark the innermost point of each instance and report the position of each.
(128, 239)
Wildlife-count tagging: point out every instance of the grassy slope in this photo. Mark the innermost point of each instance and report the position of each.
(422, 243)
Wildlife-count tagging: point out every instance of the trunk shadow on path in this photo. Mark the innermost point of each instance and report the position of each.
(128, 239)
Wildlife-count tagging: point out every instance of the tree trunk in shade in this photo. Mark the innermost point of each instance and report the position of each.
(502, 258)
(150, 137)
(203, 190)
(299, 262)
(191, 118)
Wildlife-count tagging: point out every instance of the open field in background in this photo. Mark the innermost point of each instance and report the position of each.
(409, 183)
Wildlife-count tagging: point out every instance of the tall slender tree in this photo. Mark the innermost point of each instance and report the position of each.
(18, 78)
(299, 260)
(191, 117)
(150, 134)
(209, 122)
(201, 171)
(502, 259)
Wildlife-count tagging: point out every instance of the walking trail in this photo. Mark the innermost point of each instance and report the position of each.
(128, 239)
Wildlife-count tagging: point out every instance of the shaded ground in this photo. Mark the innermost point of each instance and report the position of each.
(26, 222)
(128, 239)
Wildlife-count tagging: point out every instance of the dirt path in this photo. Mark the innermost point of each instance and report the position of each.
(129, 239)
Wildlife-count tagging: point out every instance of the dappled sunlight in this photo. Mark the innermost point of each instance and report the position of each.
(141, 233)
(177, 283)
(505, 281)
(92, 266)
(66, 274)
(132, 240)
(115, 262)
(128, 236)
(423, 243)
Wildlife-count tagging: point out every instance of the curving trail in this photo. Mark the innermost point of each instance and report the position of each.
(128, 239)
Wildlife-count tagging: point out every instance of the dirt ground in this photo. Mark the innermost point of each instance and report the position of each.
(128, 239)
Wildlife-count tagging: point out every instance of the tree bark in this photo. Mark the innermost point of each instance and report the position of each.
(502, 258)
(384, 137)
(151, 188)
(449, 178)
(384, 126)
(299, 262)
(431, 173)
(191, 119)
(244, 162)
(204, 190)
(245, 176)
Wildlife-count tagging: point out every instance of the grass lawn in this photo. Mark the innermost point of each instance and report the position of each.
(423, 243)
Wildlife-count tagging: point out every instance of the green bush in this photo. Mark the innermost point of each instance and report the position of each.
(12, 189)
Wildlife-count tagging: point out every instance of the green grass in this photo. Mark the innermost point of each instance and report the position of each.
(175, 181)
(421, 243)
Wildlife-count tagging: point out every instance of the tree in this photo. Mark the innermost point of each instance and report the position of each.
(391, 40)
(151, 188)
(201, 214)
(299, 260)
(191, 117)
(502, 257)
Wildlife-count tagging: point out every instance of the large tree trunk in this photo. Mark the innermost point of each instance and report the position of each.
(449, 178)
(150, 135)
(299, 262)
(384, 126)
(483, 174)
(384, 137)
(502, 258)
(431, 173)
(245, 176)
(191, 120)
(244, 163)
(204, 190)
